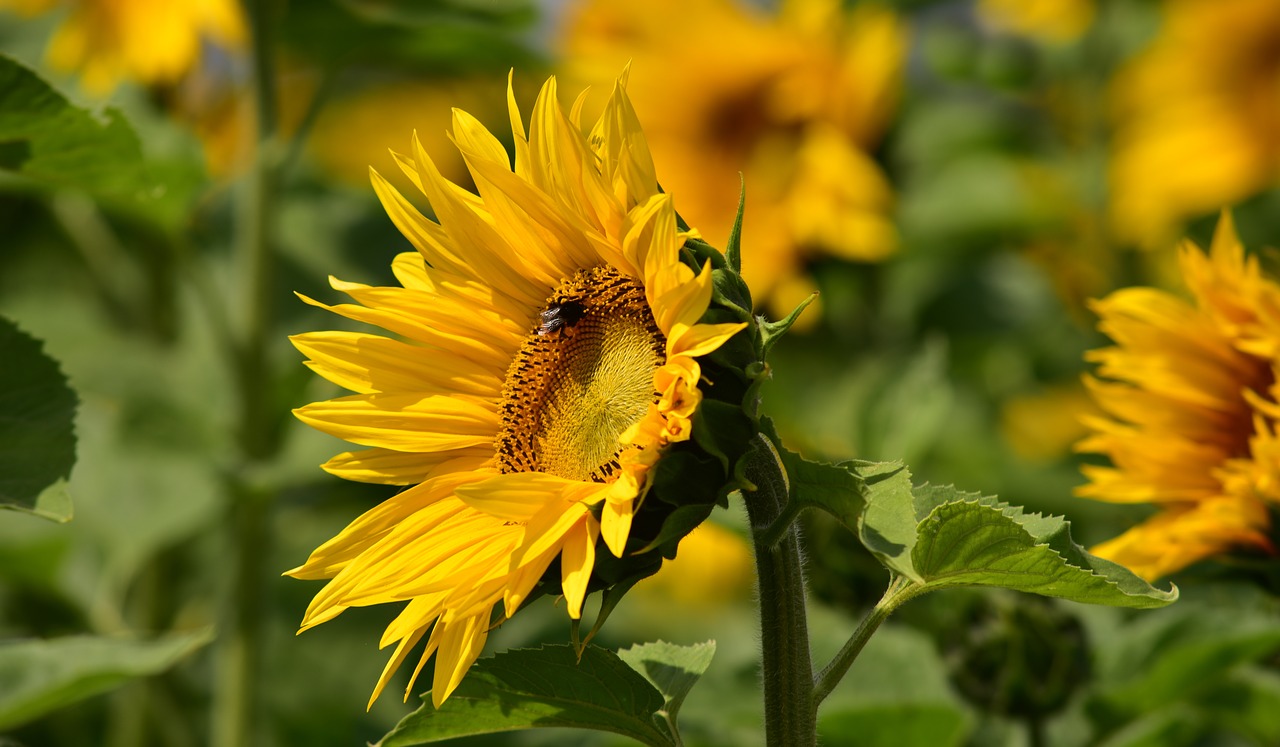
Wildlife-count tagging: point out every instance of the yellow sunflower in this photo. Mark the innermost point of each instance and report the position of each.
(1203, 97)
(153, 42)
(1190, 395)
(546, 353)
(794, 101)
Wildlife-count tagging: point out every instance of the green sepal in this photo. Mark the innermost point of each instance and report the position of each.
(758, 372)
(729, 290)
(551, 686)
(611, 570)
(678, 525)
(733, 247)
(771, 332)
(683, 473)
(722, 430)
(700, 253)
(608, 603)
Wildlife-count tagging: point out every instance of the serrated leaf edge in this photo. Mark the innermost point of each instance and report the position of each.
(930, 583)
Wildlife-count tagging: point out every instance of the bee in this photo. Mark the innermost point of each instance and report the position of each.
(559, 316)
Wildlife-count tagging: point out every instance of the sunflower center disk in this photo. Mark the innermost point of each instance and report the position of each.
(581, 378)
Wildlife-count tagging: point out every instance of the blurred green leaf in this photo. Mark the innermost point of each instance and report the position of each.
(1248, 703)
(537, 688)
(963, 539)
(410, 12)
(37, 427)
(439, 37)
(900, 725)
(672, 669)
(896, 693)
(1169, 728)
(45, 137)
(977, 200)
(37, 677)
(1180, 658)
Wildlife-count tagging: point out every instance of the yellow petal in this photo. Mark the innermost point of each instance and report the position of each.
(386, 467)
(404, 422)
(576, 563)
(615, 525)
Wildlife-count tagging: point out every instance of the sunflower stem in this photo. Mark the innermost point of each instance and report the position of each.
(239, 652)
(779, 528)
(900, 590)
(789, 707)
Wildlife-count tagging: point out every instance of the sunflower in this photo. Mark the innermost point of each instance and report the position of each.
(546, 355)
(152, 42)
(798, 118)
(1190, 397)
(1203, 96)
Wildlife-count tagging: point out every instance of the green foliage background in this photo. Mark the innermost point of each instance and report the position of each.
(116, 246)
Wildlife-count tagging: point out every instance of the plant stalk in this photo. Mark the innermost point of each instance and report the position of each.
(900, 590)
(789, 707)
(239, 654)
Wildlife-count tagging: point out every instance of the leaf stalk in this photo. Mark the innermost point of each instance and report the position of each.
(900, 590)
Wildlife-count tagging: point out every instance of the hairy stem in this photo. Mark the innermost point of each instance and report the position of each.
(789, 708)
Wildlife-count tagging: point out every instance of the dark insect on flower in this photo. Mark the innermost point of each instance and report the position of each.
(559, 316)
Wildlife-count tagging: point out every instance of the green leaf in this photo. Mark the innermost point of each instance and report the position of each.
(673, 669)
(537, 688)
(887, 526)
(837, 489)
(37, 427)
(963, 539)
(43, 676)
(46, 138)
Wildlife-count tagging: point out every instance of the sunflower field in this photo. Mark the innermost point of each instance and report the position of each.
(698, 373)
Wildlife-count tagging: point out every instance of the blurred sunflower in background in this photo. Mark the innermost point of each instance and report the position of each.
(1202, 98)
(1190, 396)
(549, 353)
(360, 128)
(714, 569)
(796, 101)
(190, 53)
(150, 42)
